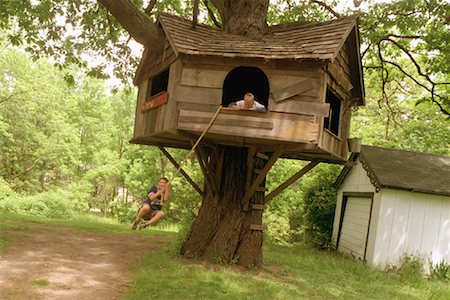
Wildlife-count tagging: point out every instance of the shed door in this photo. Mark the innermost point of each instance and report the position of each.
(355, 226)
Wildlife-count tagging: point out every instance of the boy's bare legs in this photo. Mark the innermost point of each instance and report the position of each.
(145, 209)
(158, 216)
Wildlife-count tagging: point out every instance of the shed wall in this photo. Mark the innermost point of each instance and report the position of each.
(413, 223)
(355, 181)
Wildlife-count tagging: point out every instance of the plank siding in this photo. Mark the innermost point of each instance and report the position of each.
(283, 129)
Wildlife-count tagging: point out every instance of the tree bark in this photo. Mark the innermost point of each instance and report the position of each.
(136, 22)
(221, 232)
(244, 17)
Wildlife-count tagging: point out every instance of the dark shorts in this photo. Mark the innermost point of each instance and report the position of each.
(154, 209)
(152, 206)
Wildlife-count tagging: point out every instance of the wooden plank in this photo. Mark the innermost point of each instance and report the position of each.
(299, 132)
(257, 227)
(210, 96)
(339, 76)
(262, 189)
(188, 178)
(262, 156)
(250, 164)
(207, 175)
(291, 180)
(300, 107)
(203, 77)
(195, 117)
(258, 206)
(257, 171)
(295, 89)
(196, 107)
(155, 101)
(249, 193)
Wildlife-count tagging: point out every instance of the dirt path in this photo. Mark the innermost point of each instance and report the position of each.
(51, 262)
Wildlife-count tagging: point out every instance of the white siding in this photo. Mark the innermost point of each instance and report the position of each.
(413, 223)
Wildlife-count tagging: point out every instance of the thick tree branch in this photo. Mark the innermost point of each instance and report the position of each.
(135, 21)
(211, 14)
(326, 7)
(195, 14)
(150, 6)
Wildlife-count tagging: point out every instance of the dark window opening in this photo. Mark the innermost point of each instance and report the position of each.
(243, 80)
(332, 121)
(159, 83)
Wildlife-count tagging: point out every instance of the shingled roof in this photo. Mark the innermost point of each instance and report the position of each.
(413, 171)
(306, 41)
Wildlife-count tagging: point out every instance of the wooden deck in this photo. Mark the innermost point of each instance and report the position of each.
(298, 135)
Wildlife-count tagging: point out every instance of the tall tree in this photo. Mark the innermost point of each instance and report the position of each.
(220, 229)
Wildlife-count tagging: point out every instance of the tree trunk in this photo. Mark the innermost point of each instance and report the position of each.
(221, 232)
(244, 17)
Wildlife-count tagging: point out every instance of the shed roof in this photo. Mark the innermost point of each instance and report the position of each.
(413, 171)
(303, 41)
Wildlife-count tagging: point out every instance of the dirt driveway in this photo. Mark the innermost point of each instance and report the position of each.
(51, 262)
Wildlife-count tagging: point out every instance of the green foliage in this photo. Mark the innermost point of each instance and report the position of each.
(5, 189)
(440, 271)
(52, 204)
(319, 206)
(411, 268)
(125, 212)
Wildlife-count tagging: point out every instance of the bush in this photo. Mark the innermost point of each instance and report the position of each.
(319, 207)
(5, 189)
(52, 204)
(440, 271)
(125, 212)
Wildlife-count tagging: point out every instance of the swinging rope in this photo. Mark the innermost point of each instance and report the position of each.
(197, 142)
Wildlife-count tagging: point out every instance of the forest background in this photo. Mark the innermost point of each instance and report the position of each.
(64, 129)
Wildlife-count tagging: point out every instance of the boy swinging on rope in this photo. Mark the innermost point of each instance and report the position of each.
(150, 210)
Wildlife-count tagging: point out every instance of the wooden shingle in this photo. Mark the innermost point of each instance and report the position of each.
(306, 41)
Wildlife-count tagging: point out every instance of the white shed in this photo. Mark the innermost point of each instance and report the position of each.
(392, 203)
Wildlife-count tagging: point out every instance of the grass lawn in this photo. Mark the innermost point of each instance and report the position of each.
(288, 273)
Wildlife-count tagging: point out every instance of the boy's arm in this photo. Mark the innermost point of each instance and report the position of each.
(166, 192)
(153, 196)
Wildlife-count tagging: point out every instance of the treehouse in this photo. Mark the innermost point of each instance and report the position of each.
(308, 76)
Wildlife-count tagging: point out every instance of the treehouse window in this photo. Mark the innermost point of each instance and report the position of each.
(242, 80)
(332, 121)
(159, 83)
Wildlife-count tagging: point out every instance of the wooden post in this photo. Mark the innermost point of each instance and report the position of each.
(260, 178)
(291, 180)
(174, 162)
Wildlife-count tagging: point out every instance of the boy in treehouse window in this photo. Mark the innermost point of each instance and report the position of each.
(248, 103)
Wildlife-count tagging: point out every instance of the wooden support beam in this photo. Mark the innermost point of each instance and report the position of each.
(291, 180)
(262, 156)
(258, 206)
(250, 164)
(257, 227)
(219, 167)
(249, 193)
(257, 171)
(262, 189)
(188, 178)
(208, 178)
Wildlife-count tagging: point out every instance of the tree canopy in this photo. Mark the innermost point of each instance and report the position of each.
(405, 42)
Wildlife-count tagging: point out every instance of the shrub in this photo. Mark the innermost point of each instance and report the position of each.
(440, 271)
(320, 205)
(125, 212)
(5, 189)
(52, 204)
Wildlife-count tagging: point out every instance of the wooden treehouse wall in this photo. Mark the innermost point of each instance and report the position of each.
(296, 101)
